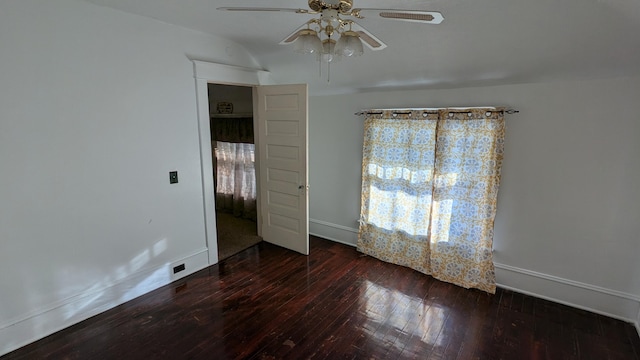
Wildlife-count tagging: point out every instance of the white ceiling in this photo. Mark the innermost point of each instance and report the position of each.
(480, 42)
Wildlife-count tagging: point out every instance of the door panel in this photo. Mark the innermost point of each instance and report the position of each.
(282, 141)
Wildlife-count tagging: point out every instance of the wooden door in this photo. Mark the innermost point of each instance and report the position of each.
(282, 112)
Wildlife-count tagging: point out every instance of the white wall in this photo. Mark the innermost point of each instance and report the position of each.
(567, 226)
(637, 279)
(96, 107)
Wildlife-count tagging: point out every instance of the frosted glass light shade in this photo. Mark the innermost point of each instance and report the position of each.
(328, 50)
(308, 42)
(349, 44)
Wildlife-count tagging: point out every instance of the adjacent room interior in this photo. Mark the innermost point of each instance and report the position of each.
(233, 155)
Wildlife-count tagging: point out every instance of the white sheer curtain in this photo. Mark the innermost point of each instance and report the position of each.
(236, 178)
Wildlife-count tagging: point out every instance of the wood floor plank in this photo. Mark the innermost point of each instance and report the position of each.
(305, 308)
(335, 300)
(392, 312)
(336, 303)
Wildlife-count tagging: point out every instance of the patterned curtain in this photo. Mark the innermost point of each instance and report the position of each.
(234, 175)
(429, 189)
(236, 179)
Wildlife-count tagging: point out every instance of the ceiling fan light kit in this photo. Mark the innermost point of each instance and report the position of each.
(349, 44)
(334, 34)
(341, 5)
(308, 42)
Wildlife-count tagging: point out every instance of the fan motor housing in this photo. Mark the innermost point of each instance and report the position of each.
(342, 6)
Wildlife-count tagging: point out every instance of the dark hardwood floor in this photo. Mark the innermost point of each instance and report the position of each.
(270, 303)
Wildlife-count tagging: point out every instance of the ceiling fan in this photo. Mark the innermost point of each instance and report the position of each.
(335, 33)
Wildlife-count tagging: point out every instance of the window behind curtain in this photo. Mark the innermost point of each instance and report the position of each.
(234, 156)
(429, 189)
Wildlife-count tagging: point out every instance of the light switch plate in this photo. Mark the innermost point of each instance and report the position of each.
(173, 177)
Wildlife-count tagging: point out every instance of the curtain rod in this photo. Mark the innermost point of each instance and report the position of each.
(367, 112)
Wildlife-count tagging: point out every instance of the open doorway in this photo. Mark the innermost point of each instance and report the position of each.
(234, 167)
(282, 220)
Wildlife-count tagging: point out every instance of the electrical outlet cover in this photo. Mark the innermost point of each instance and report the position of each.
(173, 177)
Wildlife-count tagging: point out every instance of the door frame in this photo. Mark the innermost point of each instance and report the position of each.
(205, 73)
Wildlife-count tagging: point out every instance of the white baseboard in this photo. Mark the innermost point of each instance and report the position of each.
(637, 323)
(338, 233)
(608, 302)
(28, 328)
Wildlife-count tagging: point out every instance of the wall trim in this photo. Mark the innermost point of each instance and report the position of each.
(336, 226)
(332, 239)
(608, 302)
(334, 232)
(229, 74)
(582, 285)
(637, 323)
(38, 324)
(567, 303)
(205, 72)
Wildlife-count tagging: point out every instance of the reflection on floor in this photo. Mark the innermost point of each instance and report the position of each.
(271, 303)
(234, 234)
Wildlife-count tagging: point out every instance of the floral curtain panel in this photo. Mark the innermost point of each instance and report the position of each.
(429, 189)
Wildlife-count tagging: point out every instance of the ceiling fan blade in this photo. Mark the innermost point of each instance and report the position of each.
(425, 17)
(297, 11)
(293, 36)
(367, 38)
